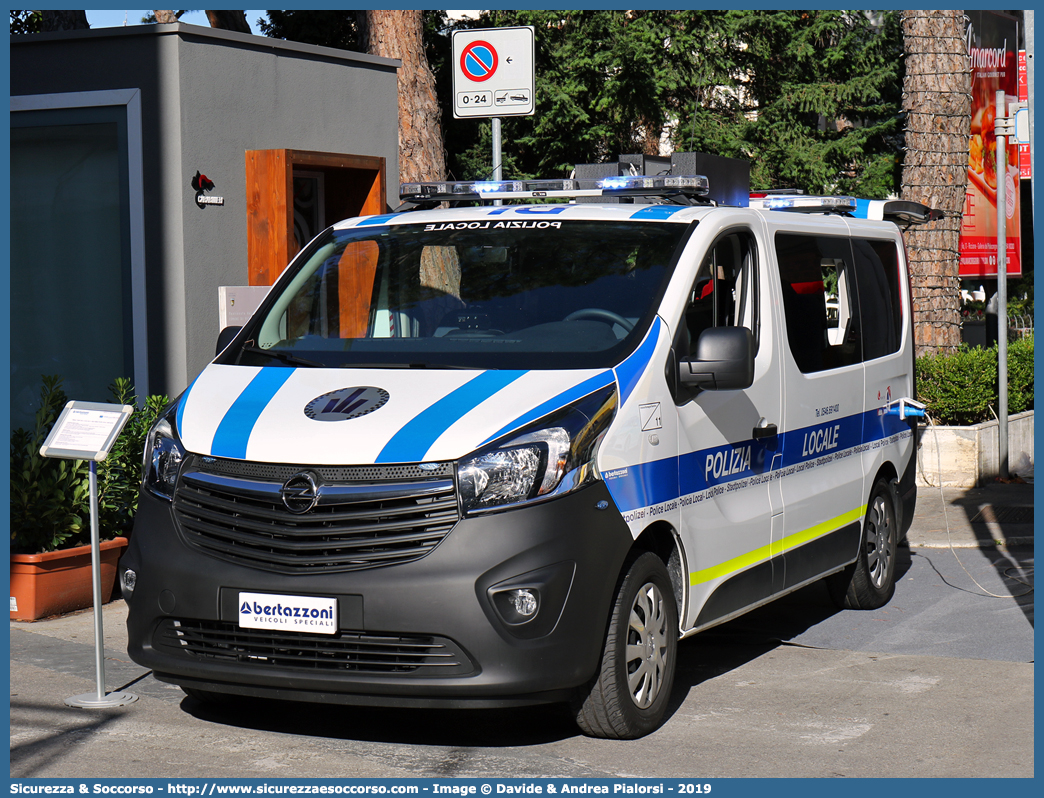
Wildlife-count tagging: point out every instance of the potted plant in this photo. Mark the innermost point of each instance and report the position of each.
(50, 509)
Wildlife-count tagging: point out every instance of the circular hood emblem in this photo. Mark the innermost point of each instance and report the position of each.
(300, 493)
(346, 403)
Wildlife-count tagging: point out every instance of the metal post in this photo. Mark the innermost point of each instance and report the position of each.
(498, 172)
(99, 700)
(1000, 127)
(1028, 17)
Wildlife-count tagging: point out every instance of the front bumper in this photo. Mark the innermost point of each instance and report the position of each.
(182, 622)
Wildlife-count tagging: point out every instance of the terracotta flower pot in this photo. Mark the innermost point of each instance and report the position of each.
(60, 581)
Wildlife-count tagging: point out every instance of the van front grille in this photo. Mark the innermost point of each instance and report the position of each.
(354, 524)
(360, 652)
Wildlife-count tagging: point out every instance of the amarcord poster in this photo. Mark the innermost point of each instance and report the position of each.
(993, 45)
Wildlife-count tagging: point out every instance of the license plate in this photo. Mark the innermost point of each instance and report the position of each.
(288, 613)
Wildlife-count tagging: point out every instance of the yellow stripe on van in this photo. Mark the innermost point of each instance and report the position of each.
(737, 564)
(825, 528)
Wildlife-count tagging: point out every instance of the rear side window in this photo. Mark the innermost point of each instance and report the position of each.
(841, 299)
(819, 301)
(877, 278)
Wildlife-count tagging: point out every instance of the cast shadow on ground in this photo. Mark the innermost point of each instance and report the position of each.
(28, 757)
(1003, 545)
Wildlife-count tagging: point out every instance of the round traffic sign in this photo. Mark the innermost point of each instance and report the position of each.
(478, 61)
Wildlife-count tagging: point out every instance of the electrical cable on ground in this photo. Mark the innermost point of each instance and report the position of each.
(942, 496)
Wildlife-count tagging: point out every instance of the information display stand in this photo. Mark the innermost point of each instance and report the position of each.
(87, 431)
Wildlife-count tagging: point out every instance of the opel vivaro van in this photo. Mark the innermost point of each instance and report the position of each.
(504, 454)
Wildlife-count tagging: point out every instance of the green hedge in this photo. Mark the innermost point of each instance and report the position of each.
(961, 388)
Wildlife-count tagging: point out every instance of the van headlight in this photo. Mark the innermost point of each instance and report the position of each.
(163, 455)
(551, 457)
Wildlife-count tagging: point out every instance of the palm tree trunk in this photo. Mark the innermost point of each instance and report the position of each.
(400, 34)
(937, 101)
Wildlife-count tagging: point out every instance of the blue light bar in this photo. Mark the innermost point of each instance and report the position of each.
(804, 203)
(628, 185)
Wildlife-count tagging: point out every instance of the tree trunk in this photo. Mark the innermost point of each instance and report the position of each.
(63, 20)
(937, 100)
(229, 20)
(400, 34)
(165, 17)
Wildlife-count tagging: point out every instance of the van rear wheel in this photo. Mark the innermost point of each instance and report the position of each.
(869, 582)
(629, 694)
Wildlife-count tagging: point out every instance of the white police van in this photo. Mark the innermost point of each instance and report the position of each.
(496, 455)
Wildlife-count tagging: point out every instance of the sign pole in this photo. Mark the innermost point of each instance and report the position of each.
(99, 700)
(87, 431)
(498, 172)
(1000, 126)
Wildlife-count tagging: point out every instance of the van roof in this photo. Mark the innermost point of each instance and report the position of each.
(678, 214)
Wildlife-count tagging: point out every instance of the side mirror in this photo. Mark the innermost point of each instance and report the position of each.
(225, 338)
(724, 360)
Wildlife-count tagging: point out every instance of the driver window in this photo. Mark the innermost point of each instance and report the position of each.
(724, 294)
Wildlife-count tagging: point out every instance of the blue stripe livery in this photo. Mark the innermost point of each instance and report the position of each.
(644, 484)
(661, 481)
(560, 401)
(630, 371)
(411, 443)
(383, 219)
(657, 211)
(180, 413)
(233, 433)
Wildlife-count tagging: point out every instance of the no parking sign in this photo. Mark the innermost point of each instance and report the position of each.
(493, 72)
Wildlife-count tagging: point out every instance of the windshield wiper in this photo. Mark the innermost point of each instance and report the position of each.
(286, 357)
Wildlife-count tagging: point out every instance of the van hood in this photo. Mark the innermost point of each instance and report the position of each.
(316, 416)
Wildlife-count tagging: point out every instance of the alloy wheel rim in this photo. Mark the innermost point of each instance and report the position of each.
(878, 541)
(646, 652)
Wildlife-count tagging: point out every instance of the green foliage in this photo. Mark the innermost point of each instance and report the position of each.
(1020, 375)
(811, 98)
(325, 28)
(26, 22)
(825, 90)
(607, 83)
(50, 497)
(119, 474)
(961, 388)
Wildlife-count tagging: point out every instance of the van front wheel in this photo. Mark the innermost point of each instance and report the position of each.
(629, 694)
(870, 582)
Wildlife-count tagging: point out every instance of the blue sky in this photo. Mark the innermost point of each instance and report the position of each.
(114, 19)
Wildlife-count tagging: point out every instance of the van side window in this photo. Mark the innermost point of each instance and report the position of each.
(725, 291)
(877, 279)
(823, 322)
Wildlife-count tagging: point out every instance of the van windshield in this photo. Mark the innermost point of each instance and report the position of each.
(477, 294)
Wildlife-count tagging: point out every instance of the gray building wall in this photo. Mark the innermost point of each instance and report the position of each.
(207, 97)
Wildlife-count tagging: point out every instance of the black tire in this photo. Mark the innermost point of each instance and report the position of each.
(870, 581)
(628, 696)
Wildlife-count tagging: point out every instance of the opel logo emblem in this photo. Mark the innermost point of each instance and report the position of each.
(300, 493)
